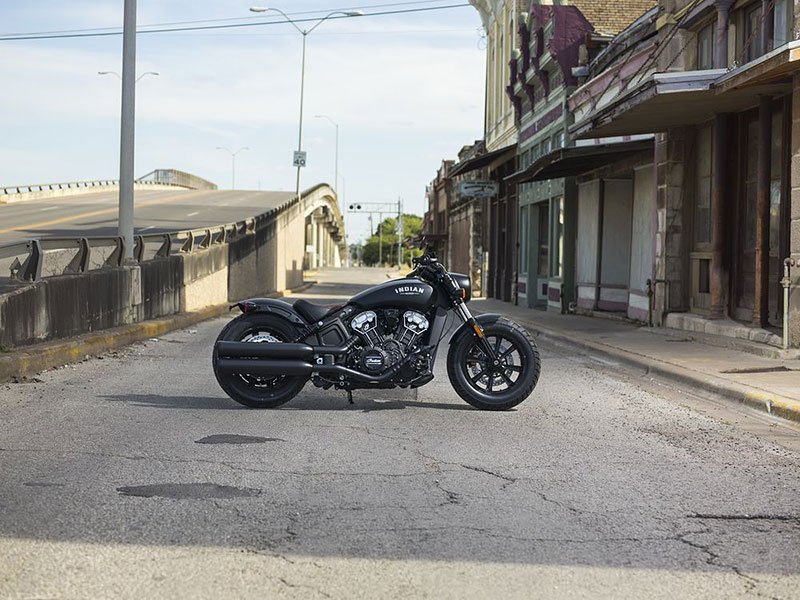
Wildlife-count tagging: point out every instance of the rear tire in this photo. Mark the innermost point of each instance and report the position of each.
(249, 390)
(489, 388)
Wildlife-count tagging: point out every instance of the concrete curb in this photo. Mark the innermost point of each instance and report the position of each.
(29, 360)
(762, 400)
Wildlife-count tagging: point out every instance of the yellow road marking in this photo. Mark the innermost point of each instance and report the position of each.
(93, 213)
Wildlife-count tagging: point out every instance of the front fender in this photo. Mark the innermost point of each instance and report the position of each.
(466, 328)
(280, 308)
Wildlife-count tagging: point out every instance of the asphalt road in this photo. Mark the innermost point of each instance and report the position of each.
(121, 478)
(95, 214)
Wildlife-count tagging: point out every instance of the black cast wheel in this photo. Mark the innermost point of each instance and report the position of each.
(499, 384)
(251, 390)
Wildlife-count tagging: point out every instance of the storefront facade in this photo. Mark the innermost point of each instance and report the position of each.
(722, 101)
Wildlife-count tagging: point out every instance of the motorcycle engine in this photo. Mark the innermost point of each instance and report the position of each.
(386, 338)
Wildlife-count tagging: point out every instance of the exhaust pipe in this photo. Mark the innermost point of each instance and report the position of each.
(271, 368)
(264, 350)
(263, 368)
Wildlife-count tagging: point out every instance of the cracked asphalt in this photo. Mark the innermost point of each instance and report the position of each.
(132, 475)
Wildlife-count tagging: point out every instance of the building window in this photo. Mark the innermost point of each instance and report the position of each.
(558, 237)
(782, 22)
(523, 240)
(705, 48)
(752, 33)
(702, 205)
(544, 242)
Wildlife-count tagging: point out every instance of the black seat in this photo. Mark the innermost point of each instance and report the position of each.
(314, 312)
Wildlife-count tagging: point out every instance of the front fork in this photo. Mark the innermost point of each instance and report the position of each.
(464, 313)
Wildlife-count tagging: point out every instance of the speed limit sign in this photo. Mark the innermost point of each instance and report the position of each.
(299, 158)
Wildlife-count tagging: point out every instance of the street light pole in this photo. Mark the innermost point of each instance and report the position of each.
(127, 129)
(118, 76)
(299, 161)
(233, 162)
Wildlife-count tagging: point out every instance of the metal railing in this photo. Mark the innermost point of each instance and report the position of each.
(44, 187)
(179, 178)
(169, 177)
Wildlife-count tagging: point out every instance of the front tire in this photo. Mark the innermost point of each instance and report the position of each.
(490, 387)
(250, 390)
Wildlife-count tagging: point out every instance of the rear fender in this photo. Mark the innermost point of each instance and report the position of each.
(279, 308)
(466, 329)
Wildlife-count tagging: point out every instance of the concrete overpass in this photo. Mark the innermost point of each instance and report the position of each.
(94, 214)
(195, 249)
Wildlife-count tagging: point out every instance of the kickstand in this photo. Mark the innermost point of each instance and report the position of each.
(350, 396)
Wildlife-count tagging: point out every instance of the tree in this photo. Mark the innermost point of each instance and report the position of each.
(412, 227)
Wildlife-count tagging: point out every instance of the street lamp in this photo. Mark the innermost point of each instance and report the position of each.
(336, 156)
(233, 162)
(118, 76)
(299, 157)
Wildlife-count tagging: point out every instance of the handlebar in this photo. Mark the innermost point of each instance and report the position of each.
(428, 257)
(428, 268)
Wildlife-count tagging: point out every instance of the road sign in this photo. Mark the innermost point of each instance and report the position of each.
(299, 158)
(479, 189)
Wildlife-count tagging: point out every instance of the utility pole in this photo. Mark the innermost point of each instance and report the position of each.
(127, 129)
(399, 233)
(380, 240)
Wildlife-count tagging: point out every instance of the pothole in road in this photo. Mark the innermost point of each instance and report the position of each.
(188, 491)
(230, 438)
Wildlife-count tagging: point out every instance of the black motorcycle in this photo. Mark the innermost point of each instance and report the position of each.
(385, 337)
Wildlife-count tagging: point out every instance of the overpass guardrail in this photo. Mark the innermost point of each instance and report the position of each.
(90, 253)
(159, 177)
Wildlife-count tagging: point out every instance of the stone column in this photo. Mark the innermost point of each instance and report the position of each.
(794, 215)
(761, 297)
(321, 247)
(672, 249)
(315, 241)
(718, 193)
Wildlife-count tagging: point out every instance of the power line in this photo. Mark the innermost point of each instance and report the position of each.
(337, 33)
(102, 32)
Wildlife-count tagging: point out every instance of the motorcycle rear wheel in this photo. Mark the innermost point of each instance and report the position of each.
(489, 387)
(250, 390)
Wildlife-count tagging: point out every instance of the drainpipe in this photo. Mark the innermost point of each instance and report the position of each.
(786, 283)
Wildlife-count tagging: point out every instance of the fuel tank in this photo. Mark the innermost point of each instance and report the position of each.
(407, 293)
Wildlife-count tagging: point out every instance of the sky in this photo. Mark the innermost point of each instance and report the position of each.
(407, 91)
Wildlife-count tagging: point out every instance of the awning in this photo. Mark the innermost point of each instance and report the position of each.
(667, 100)
(483, 160)
(574, 160)
(773, 67)
(662, 101)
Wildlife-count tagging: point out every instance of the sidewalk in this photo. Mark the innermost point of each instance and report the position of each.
(768, 384)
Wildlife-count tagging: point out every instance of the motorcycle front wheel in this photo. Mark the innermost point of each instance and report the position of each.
(490, 386)
(251, 390)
